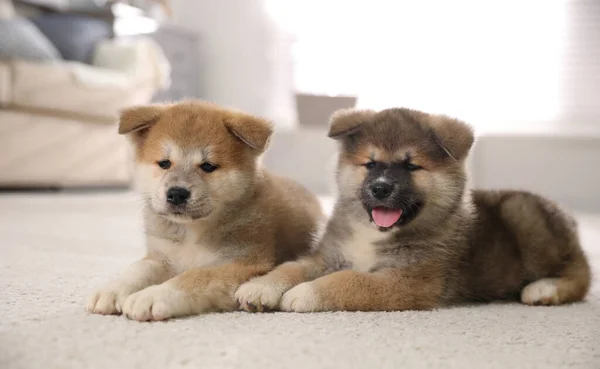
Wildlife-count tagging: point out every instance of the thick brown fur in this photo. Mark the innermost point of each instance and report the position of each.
(450, 245)
(238, 222)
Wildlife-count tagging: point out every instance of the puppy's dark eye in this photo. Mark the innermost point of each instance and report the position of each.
(412, 167)
(208, 167)
(164, 164)
(371, 165)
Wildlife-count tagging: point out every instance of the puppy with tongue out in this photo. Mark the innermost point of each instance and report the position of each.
(389, 192)
(405, 234)
(389, 177)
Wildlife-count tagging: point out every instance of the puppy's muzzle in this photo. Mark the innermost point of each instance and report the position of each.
(178, 196)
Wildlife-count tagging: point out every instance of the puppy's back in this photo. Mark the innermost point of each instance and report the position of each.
(295, 214)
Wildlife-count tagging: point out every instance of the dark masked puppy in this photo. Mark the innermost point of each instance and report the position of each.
(214, 218)
(405, 234)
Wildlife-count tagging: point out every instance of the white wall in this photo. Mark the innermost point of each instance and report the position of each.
(508, 65)
(581, 65)
(560, 167)
(246, 57)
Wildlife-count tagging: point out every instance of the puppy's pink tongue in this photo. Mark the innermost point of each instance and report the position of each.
(385, 217)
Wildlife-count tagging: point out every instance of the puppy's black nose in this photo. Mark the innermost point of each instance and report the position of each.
(381, 190)
(177, 195)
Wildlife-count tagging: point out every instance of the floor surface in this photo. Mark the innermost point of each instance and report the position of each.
(55, 249)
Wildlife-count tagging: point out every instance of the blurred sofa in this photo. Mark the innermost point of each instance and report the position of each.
(57, 120)
(58, 114)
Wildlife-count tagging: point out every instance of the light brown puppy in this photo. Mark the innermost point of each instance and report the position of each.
(213, 217)
(405, 233)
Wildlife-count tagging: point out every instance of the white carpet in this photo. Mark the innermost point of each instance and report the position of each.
(56, 249)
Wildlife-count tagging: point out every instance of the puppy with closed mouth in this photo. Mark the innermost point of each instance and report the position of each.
(213, 217)
(405, 234)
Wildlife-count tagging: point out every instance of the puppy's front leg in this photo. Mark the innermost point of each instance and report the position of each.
(139, 275)
(263, 293)
(193, 292)
(355, 291)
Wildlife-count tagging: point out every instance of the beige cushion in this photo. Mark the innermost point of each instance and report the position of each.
(124, 73)
(47, 151)
(74, 88)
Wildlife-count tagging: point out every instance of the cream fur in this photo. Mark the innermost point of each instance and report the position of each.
(300, 299)
(358, 249)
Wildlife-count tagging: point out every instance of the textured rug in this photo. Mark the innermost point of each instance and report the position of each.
(55, 249)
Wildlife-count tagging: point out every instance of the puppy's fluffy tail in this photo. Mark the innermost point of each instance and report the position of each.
(572, 286)
(556, 239)
(576, 279)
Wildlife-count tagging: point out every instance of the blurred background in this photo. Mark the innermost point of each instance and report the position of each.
(525, 74)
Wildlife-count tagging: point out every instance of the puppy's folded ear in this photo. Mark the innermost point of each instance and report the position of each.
(138, 118)
(455, 137)
(253, 131)
(346, 122)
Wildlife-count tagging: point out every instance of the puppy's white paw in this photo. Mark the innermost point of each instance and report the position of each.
(109, 300)
(301, 299)
(259, 294)
(158, 302)
(541, 292)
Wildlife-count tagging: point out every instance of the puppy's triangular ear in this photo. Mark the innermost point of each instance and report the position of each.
(138, 118)
(346, 122)
(455, 137)
(253, 131)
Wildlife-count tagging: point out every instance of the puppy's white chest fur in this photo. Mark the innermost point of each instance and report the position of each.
(188, 254)
(360, 249)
